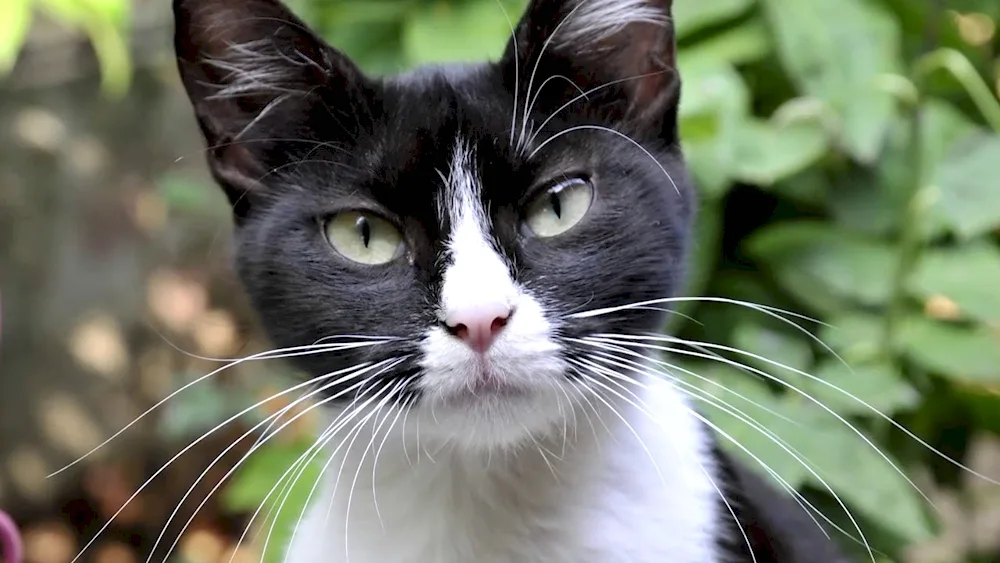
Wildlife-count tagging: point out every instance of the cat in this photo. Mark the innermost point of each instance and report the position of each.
(444, 249)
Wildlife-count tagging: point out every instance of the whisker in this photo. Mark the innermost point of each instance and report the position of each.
(642, 444)
(403, 407)
(349, 414)
(583, 95)
(350, 494)
(701, 466)
(392, 395)
(538, 60)
(268, 355)
(534, 99)
(614, 132)
(773, 312)
(811, 377)
(256, 446)
(517, 71)
(739, 415)
(196, 442)
(678, 381)
(743, 417)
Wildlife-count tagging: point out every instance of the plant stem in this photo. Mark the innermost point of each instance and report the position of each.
(963, 71)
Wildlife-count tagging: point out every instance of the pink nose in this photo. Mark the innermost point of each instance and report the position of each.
(479, 326)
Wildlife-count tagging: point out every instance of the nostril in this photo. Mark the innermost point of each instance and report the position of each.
(478, 326)
(459, 330)
(498, 324)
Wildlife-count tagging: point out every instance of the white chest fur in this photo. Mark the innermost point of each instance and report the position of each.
(629, 489)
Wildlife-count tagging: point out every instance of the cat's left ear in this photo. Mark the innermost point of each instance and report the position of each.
(265, 88)
(622, 53)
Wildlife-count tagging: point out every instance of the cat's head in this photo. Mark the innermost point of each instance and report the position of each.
(449, 228)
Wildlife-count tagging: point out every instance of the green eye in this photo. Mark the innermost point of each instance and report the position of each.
(363, 237)
(558, 209)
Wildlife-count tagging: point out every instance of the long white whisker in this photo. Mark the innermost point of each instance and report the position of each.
(613, 132)
(350, 413)
(350, 494)
(746, 419)
(185, 450)
(819, 380)
(256, 446)
(644, 410)
(538, 92)
(517, 71)
(675, 380)
(582, 95)
(269, 355)
(773, 312)
(299, 465)
(622, 418)
(538, 60)
(393, 394)
(402, 407)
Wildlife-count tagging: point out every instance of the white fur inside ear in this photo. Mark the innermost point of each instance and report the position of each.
(593, 21)
(258, 67)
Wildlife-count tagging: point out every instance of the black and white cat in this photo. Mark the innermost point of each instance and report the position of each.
(470, 230)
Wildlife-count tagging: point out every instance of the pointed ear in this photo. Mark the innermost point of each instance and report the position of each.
(259, 78)
(620, 52)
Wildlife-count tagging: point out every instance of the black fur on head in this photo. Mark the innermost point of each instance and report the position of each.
(297, 133)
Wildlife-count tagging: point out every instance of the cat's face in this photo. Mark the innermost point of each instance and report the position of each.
(446, 227)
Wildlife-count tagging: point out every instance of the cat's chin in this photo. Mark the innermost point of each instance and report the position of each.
(487, 419)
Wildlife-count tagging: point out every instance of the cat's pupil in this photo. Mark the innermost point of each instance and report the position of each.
(556, 204)
(364, 228)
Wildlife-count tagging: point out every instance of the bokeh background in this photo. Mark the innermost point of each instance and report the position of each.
(848, 157)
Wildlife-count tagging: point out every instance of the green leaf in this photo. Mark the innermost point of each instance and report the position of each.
(104, 22)
(181, 193)
(810, 188)
(822, 266)
(837, 50)
(968, 354)
(778, 346)
(15, 20)
(877, 384)
(446, 32)
(968, 275)
(854, 336)
(858, 473)
(767, 152)
(705, 255)
(744, 44)
(841, 458)
(365, 12)
(191, 414)
(736, 400)
(694, 15)
(715, 103)
(873, 202)
(258, 475)
(970, 187)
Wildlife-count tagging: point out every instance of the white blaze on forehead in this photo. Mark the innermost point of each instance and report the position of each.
(475, 274)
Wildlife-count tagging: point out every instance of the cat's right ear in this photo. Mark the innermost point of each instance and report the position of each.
(262, 85)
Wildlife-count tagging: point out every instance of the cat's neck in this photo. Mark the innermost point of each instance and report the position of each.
(448, 504)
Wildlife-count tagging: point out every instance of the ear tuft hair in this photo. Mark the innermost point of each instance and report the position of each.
(593, 22)
(255, 73)
(620, 52)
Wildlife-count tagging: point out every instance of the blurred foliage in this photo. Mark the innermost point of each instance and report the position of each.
(103, 21)
(847, 154)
